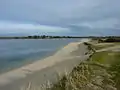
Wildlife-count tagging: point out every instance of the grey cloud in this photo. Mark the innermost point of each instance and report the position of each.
(65, 13)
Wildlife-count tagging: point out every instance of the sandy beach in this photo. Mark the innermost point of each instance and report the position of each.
(41, 71)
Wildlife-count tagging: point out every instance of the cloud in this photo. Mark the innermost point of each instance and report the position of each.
(58, 11)
(109, 23)
(93, 16)
(30, 28)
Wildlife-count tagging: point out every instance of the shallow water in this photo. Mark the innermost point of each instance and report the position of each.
(15, 53)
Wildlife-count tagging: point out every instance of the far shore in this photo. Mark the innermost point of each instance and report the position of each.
(39, 72)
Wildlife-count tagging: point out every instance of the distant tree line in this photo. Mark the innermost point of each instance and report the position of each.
(107, 38)
(40, 37)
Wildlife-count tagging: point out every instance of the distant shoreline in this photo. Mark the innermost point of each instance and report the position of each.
(56, 37)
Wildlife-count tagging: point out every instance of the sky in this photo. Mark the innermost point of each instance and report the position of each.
(60, 17)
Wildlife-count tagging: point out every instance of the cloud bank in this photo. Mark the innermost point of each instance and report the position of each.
(12, 27)
(79, 17)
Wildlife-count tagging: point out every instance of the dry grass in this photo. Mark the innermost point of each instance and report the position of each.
(86, 76)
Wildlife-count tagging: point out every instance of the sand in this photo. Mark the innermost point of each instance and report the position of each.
(112, 48)
(41, 71)
(103, 44)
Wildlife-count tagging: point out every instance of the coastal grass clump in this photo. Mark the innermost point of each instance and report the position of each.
(86, 76)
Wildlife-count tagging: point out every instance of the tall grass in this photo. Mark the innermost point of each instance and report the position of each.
(86, 77)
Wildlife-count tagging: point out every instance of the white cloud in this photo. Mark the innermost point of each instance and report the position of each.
(109, 23)
(106, 23)
(20, 27)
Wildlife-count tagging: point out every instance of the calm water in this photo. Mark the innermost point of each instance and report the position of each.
(15, 53)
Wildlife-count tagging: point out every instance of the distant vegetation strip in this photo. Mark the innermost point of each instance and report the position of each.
(40, 37)
(101, 39)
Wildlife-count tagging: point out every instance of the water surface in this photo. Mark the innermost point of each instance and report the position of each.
(15, 53)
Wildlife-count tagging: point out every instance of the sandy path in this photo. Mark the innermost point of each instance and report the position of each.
(43, 70)
(103, 44)
(117, 47)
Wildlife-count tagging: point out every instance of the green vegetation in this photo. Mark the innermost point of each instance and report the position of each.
(113, 60)
(99, 57)
(40, 37)
(106, 57)
(99, 39)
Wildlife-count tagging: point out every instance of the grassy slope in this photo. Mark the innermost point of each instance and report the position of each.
(113, 60)
(105, 57)
(109, 58)
(100, 72)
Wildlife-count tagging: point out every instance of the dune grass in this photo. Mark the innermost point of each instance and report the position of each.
(100, 72)
(86, 77)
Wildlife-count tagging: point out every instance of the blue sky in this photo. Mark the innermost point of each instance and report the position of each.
(60, 17)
